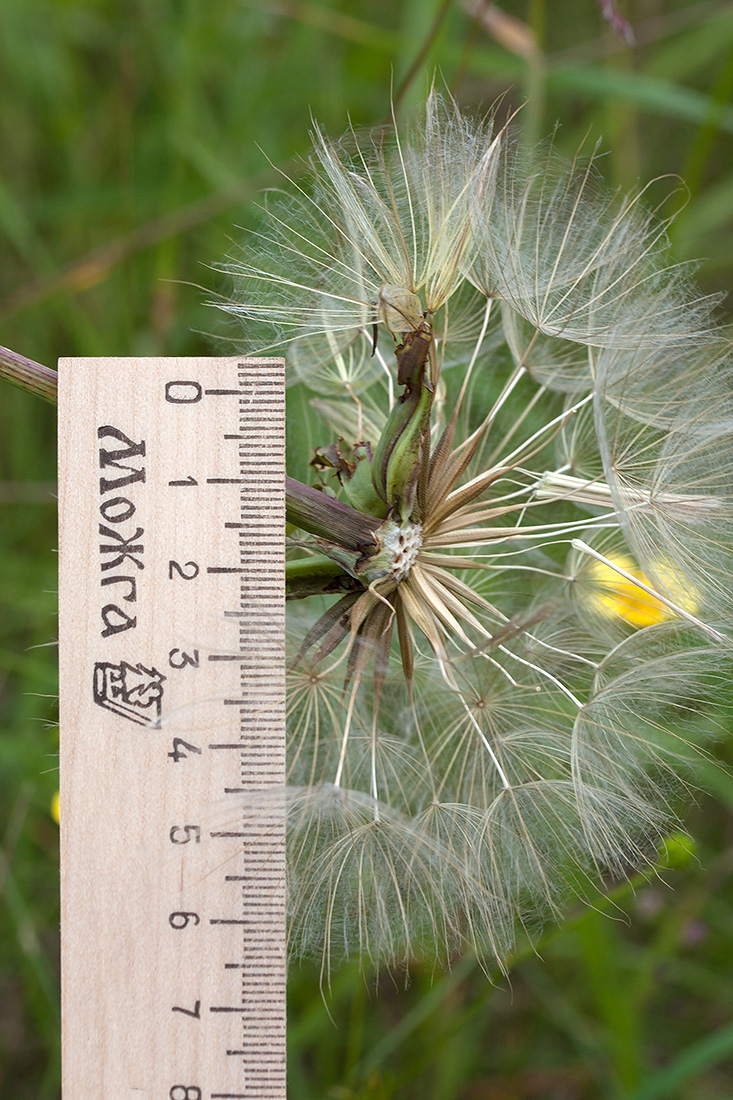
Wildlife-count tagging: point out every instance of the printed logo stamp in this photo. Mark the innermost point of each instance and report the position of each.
(132, 691)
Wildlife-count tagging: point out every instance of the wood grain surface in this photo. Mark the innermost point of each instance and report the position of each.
(171, 487)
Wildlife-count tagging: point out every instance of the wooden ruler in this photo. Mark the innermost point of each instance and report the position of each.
(171, 493)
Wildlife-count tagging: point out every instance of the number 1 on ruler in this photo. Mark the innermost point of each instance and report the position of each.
(171, 593)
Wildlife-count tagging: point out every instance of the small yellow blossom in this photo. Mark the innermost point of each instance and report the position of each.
(618, 597)
(55, 808)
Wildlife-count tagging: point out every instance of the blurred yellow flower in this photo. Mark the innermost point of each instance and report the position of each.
(617, 596)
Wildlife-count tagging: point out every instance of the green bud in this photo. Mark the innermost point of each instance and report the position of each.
(396, 463)
(359, 488)
(678, 850)
(403, 465)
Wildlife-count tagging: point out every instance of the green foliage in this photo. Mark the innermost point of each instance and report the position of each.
(130, 133)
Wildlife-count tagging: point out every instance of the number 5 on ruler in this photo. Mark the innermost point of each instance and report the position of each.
(171, 590)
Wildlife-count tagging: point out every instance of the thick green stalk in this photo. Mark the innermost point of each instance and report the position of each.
(328, 518)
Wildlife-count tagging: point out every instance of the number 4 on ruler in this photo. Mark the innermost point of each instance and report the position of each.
(171, 589)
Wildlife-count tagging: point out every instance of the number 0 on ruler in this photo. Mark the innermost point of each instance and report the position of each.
(171, 589)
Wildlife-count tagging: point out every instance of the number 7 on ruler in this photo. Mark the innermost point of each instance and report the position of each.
(172, 700)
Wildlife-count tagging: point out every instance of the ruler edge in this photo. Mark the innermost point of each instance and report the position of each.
(64, 365)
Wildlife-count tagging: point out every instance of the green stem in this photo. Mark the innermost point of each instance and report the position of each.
(315, 576)
(536, 77)
(29, 375)
(313, 566)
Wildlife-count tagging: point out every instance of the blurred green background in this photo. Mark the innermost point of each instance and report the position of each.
(133, 135)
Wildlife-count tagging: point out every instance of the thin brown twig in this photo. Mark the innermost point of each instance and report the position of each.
(420, 56)
(28, 375)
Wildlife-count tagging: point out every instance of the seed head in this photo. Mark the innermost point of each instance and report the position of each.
(511, 592)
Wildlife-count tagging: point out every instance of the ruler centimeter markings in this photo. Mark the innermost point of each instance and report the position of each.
(172, 755)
